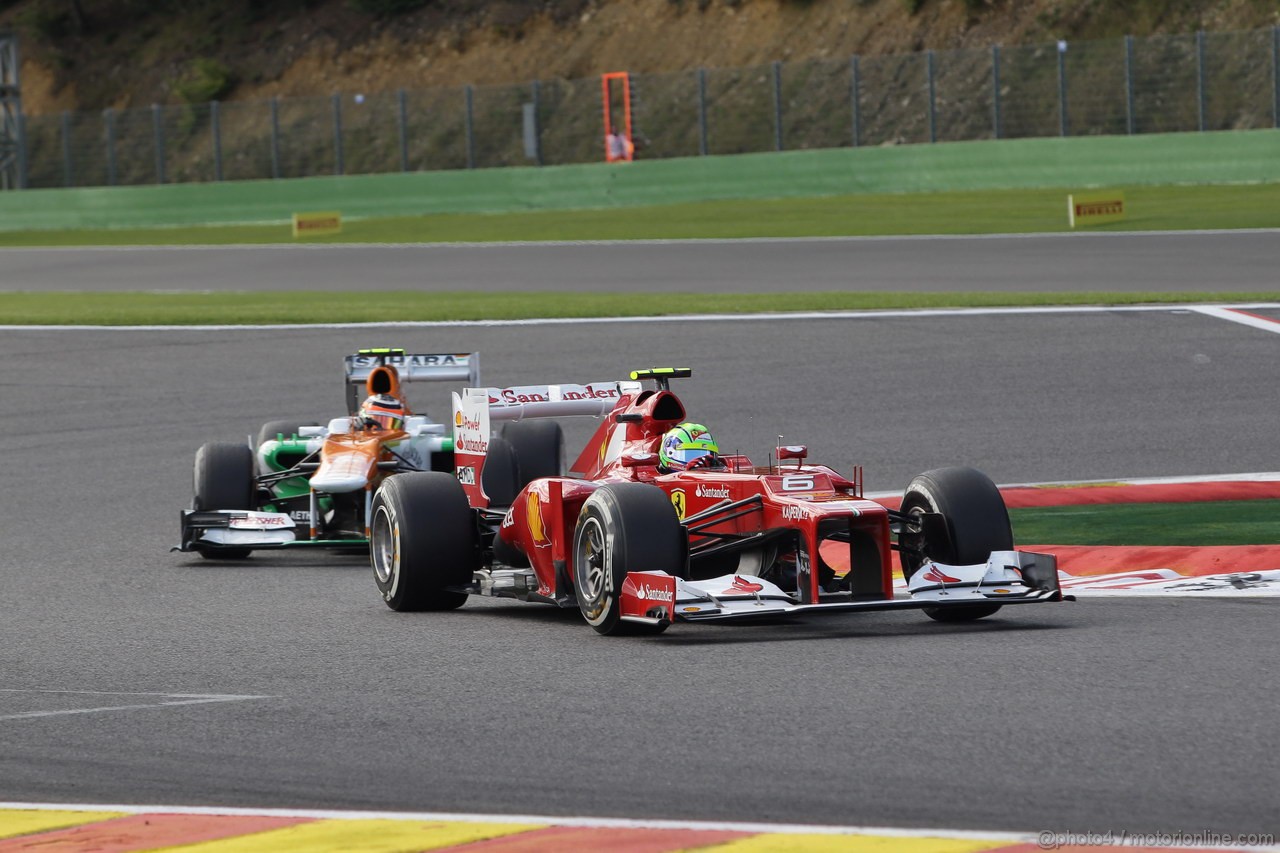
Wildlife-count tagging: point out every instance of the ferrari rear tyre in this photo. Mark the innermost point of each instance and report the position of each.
(500, 477)
(422, 541)
(273, 429)
(223, 479)
(623, 527)
(538, 447)
(976, 519)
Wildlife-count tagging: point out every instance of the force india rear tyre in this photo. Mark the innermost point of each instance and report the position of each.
(422, 541)
(976, 519)
(623, 527)
(223, 479)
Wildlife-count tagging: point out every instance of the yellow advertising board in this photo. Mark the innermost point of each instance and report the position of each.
(317, 223)
(1095, 208)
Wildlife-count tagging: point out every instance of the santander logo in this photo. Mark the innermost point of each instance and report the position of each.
(935, 575)
(650, 593)
(741, 584)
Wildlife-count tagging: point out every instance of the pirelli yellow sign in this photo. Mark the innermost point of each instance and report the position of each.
(317, 224)
(1095, 208)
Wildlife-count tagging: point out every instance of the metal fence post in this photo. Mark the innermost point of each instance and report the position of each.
(997, 121)
(1275, 77)
(157, 126)
(1200, 93)
(702, 112)
(933, 104)
(109, 122)
(22, 177)
(275, 137)
(1062, 86)
(402, 125)
(67, 178)
(777, 106)
(1128, 85)
(536, 91)
(471, 135)
(215, 129)
(339, 166)
(855, 99)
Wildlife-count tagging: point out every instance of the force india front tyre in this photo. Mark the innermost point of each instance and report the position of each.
(977, 523)
(422, 541)
(273, 430)
(223, 479)
(623, 527)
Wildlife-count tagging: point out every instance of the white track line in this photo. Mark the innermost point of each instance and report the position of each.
(1235, 315)
(1040, 310)
(165, 700)
(711, 241)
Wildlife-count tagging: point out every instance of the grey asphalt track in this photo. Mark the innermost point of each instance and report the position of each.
(1218, 262)
(1153, 715)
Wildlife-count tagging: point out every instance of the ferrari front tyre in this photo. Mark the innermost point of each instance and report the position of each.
(623, 527)
(422, 541)
(539, 449)
(976, 520)
(223, 479)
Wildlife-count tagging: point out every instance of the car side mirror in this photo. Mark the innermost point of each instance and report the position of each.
(640, 460)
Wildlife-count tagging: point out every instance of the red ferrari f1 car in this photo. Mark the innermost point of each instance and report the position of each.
(636, 545)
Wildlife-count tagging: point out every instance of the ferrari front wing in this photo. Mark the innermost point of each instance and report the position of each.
(1008, 577)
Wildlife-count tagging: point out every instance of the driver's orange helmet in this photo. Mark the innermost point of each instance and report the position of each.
(383, 410)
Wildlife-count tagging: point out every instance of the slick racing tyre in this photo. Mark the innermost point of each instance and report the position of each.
(976, 519)
(271, 430)
(538, 447)
(422, 541)
(623, 527)
(500, 477)
(223, 479)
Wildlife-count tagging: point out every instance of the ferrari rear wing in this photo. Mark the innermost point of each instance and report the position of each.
(475, 409)
(409, 367)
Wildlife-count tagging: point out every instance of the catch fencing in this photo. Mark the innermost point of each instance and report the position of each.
(1173, 83)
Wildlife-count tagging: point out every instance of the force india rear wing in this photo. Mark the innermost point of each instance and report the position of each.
(410, 367)
(475, 409)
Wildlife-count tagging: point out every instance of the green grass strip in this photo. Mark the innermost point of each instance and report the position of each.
(1210, 523)
(978, 212)
(276, 307)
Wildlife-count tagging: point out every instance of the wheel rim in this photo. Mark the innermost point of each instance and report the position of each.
(382, 546)
(591, 569)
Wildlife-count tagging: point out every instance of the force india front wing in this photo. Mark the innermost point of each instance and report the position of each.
(1008, 577)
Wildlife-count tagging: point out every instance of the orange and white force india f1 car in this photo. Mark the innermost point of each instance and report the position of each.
(636, 549)
(310, 485)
